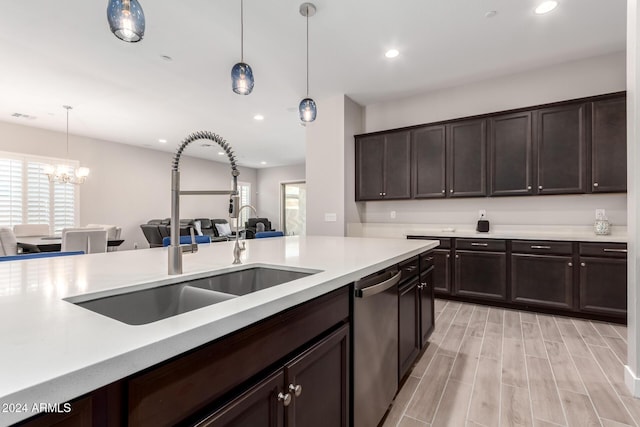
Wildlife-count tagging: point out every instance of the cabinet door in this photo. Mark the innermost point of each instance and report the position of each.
(259, 406)
(429, 162)
(369, 165)
(609, 145)
(442, 271)
(561, 140)
(397, 168)
(542, 280)
(510, 155)
(603, 286)
(408, 326)
(427, 313)
(481, 275)
(322, 375)
(466, 158)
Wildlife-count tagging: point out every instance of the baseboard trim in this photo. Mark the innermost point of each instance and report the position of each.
(632, 381)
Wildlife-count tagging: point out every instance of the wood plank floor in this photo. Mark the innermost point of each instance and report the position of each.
(494, 367)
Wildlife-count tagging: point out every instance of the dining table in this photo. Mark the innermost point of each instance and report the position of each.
(51, 243)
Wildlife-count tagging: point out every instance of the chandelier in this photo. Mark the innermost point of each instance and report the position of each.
(66, 174)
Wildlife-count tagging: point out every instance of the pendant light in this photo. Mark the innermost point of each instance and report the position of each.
(62, 174)
(307, 108)
(241, 73)
(126, 20)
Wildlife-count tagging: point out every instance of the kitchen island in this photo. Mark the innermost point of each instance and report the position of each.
(54, 351)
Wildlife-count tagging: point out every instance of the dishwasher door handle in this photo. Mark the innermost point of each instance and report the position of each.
(379, 287)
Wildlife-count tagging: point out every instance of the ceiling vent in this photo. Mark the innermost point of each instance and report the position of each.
(23, 116)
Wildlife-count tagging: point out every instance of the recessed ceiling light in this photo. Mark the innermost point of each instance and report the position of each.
(162, 141)
(392, 53)
(220, 153)
(263, 163)
(491, 14)
(546, 7)
(258, 117)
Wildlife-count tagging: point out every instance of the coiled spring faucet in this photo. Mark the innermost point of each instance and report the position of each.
(175, 250)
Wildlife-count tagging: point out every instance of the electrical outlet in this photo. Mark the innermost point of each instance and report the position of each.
(600, 214)
(393, 214)
(482, 213)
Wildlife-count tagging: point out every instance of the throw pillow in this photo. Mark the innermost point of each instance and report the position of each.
(198, 226)
(224, 229)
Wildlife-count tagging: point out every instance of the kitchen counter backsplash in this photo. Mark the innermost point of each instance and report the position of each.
(526, 232)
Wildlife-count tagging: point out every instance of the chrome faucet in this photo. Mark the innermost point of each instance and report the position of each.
(237, 250)
(175, 250)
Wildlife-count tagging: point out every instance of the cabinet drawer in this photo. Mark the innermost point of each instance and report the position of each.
(409, 268)
(541, 247)
(617, 250)
(481, 244)
(445, 242)
(426, 261)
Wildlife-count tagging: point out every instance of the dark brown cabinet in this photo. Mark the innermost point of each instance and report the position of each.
(311, 390)
(383, 166)
(480, 270)
(561, 139)
(427, 312)
(408, 325)
(542, 280)
(609, 145)
(429, 162)
(603, 278)
(466, 158)
(442, 271)
(511, 155)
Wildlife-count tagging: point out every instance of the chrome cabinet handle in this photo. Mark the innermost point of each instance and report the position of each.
(284, 398)
(540, 247)
(384, 194)
(622, 251)
(448, 256)
(430, 258)
(528, 187)
(457, 256)
(570, 264)
(582, 264)
(539, 187)
(378, 287)
(451, 191)
(479, 244)
(295, 389)
(410, 268)
(595, 184)
(443, 191)
(422, 285)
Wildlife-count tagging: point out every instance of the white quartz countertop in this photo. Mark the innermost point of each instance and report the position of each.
(568, 234)
(53, 350)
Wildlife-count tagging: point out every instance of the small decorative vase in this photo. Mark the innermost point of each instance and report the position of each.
(602, 227)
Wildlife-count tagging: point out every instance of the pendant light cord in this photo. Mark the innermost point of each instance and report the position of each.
(67, 108)
(307, 50)
(241, 30)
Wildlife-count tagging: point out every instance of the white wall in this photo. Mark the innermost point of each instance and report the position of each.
(593, 76)
(129, 185)
(269, 196)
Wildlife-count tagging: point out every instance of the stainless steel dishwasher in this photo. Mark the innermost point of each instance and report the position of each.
(375, 346)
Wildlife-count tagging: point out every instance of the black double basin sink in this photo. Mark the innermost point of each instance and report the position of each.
(150, 305)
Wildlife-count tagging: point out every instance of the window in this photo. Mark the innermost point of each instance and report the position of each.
(244, 188)
(27, 196)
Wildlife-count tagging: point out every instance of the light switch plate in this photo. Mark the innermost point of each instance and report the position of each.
(482, 213)
(393, 214)
(330, 217)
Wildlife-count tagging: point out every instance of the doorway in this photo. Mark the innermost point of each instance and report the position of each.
(294, 208)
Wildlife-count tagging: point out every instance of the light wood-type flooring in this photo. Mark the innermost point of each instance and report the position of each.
(489, 366)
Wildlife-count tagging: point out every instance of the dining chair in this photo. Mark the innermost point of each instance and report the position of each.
(265, 234)
(8, 242)
(186, 240)
(27, 230)
(113, 231)
(90, 241)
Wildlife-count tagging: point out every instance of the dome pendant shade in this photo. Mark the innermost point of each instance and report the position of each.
(242, 78)
(126, 20)
(308, 110)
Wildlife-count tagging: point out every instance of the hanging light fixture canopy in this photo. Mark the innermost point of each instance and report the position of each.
(126, 20)
(241, 73)
(307, 108)
(65, 174)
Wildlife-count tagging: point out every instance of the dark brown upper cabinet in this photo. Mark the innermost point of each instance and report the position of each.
(466, 158)
(561, 136)
(429, 162)
(383, 164)
(510, 155)
(609, 145)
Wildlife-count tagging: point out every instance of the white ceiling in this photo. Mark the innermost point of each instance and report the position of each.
(62, 52)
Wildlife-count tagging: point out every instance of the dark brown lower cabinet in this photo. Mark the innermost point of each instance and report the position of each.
(427, 313)
(542, 280)
(442, 274)
(310, 390)
(408, 325)
(481, 275)
(603, 286)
